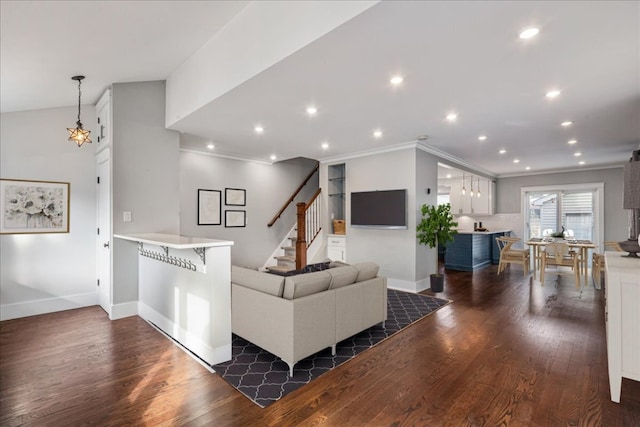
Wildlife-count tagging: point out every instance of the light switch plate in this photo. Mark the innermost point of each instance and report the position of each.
(126, 216)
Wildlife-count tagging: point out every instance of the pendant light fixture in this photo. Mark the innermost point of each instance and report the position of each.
(478, 193)
(471, 192)
(464, 190)
(78, 134)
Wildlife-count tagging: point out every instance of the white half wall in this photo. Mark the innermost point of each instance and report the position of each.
(43, 273)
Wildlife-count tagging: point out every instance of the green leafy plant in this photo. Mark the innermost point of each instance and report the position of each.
(437, 225)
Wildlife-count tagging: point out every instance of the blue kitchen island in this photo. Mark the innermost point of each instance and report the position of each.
(473, 250)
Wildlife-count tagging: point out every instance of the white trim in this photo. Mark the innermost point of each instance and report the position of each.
(196, 345)
(126, 309)
(453, 159)
(226, 156)
(183, 348)
(598, 208)
(365, 153)
(47, 305)
(403, 285)
(553, 171)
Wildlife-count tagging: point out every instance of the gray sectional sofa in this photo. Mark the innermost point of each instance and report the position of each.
(297, 316)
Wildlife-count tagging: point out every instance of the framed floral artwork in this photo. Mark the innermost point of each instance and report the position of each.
(33, 206)
(235, 197)
(209, 207)
(235, 219)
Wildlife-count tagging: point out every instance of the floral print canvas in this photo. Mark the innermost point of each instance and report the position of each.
(34, 207)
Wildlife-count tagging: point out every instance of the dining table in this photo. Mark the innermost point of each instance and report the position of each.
(582, 247)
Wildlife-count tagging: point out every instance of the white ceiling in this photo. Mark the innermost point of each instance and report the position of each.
(455, 56)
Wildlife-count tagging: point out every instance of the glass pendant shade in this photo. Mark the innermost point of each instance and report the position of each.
(471, 192)
(464, 190)
(478, 193)
(78, 134)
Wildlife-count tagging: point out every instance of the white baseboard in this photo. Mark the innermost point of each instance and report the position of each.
(401, 285)
(127, 309)
(195, 344)
(47, 305)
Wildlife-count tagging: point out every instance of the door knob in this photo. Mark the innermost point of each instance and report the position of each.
(106, 245)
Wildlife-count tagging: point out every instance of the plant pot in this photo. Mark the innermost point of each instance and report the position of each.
(437, 282)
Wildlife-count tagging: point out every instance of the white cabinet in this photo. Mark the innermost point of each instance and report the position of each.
(103, 128)
(622, 317)
(465, 204)
(337, 248)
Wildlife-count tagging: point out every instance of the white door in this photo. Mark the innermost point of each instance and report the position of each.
(104, 230)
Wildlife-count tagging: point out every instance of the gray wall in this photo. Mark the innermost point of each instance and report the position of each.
(392, 250)
(426, 178)
(41, 273)
(145, 176)
(615, 218)
(267, 188)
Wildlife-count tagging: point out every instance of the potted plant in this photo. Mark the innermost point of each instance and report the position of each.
(437, 226)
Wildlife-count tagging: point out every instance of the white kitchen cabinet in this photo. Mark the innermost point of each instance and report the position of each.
(337, 247)
(472, 205)
(103, 129)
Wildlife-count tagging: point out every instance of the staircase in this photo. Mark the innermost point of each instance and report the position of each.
(286, 262)
(307, 228)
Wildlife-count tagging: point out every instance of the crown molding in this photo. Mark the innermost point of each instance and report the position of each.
(226, 156)
(572, 170)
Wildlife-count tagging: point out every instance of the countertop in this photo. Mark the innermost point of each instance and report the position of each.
(482, 232)
(173, 240)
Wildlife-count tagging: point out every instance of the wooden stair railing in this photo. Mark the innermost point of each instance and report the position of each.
(293, 196)
(308, 225)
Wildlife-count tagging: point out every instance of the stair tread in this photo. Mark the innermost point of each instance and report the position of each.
(280, 268)
(288, 248)
(285, 258)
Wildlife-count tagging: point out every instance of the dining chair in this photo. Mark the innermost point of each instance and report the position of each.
(509, 255)
(559, 255)
(597, 261)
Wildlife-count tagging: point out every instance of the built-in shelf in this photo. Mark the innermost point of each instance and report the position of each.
(336, 195)
(337, 179)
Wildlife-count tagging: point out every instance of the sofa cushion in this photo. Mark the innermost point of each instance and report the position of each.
(337, 263)
(366, 270)
(342, 276)
(263, 282)
(306, 284)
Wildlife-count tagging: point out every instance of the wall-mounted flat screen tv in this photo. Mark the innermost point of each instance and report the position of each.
(379, 209)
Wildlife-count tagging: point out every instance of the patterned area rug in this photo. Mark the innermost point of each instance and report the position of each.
(264, 379)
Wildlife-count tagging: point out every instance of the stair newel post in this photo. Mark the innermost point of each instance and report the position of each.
(301, 243)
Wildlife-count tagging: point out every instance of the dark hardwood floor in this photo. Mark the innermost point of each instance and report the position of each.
(505, 352)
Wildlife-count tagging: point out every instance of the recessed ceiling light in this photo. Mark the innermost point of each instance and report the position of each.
(452, 117)
(312, 110)
(258, 129)
(553, 93)
(325, 145)
(516, 160)
(273, 157)
(448, 175)
(482, 137)
(577, 154)
(210, 146)
(528, 168)
(572, 141)
(566, 123)
(377, 134)
(581, 162)
(529, 33)
(502, 151)
(396, 80)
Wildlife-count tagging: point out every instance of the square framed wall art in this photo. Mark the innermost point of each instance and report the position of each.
(235, 197)
(34, 206)
(235, 219)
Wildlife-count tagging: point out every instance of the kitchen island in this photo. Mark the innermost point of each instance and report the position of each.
(473, 250)
(184, 289)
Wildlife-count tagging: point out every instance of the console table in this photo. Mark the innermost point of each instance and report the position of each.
(622, 317)
(184, 288)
